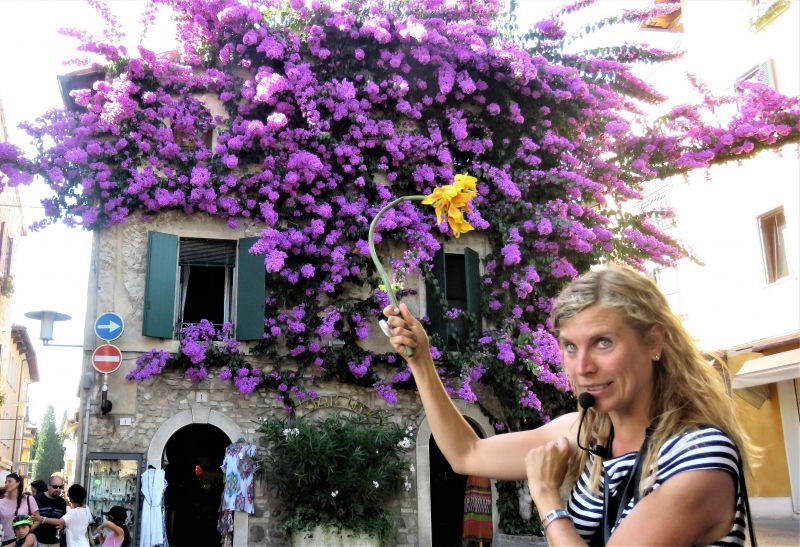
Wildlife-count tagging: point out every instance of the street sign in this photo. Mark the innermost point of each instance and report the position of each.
(109, 326)
(106, 358)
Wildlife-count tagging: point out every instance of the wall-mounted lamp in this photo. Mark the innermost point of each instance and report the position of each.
(46, 320)
(105, 404)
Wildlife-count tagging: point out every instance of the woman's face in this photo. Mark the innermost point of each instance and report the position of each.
(11, 484)
(603, 356)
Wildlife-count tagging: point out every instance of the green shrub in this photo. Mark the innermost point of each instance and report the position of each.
(340, 472)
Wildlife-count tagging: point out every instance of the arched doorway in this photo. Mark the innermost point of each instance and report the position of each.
(425, 464)
(194, 478)
(447, 497)
(200, 414)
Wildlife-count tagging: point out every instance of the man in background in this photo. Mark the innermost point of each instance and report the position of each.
(51, 506)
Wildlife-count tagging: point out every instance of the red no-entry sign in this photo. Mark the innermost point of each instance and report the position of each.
(106, 358)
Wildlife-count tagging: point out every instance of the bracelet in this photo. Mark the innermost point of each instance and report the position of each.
(553, 516)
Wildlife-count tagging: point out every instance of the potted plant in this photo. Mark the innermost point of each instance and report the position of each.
(336, 476)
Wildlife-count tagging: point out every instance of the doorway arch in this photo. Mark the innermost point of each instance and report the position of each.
(199, 414)
(424, 525)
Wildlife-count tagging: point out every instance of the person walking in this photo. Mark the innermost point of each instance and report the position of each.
(75, 522)
(15, 503)
(51, 506)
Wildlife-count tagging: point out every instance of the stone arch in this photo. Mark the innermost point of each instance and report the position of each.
(424, 526)
(198, 414)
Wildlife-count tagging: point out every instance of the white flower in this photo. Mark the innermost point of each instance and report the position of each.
(405, 443)
(375, 484)
(290, 432)
(407, 484)
(411, 469)
(334, 493)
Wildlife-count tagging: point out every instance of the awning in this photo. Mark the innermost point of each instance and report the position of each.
(767, 370)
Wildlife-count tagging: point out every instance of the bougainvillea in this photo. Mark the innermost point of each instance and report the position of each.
(330, 111)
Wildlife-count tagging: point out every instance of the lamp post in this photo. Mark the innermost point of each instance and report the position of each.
(46, 320)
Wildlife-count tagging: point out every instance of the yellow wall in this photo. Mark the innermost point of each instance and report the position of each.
(763, 425)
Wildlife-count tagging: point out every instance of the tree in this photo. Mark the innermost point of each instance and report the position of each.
(48, 448)
(333, 110)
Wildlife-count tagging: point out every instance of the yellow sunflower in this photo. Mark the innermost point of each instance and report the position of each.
(452, 200)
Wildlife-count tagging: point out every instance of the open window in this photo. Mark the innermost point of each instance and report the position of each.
(773, 245)
(190, 279)
(456, 288)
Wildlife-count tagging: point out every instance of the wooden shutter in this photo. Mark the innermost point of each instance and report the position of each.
(159, 291)
(434, 297)
(250, 293)
(472, 274)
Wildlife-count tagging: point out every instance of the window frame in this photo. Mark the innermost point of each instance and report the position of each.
(436, 314)
(773, 245)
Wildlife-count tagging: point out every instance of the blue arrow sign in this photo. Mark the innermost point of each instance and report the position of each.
(109, 326)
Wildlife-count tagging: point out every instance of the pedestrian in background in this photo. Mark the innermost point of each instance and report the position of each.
(117, 534)
(15, 503)
(76, 521)
(51, 506)
(38, 486)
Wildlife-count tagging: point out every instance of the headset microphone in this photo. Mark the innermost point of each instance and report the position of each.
(586, 401)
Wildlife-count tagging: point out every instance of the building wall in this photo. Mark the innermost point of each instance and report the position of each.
(117, 283)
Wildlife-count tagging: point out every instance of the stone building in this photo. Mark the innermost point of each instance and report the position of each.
(170, 421)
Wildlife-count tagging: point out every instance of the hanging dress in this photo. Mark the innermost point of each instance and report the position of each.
(238, 469)
(153, 532)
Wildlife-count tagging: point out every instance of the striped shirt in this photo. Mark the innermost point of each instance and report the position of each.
(703, 448)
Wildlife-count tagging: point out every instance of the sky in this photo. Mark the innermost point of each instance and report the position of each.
(52, 265)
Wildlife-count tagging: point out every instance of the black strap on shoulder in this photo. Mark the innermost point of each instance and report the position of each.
(743, 486)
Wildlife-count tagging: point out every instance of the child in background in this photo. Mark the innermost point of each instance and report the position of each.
(22, 529)
(118, 535)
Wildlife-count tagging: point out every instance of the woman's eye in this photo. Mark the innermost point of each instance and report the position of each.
(604, 343)
(569, 347)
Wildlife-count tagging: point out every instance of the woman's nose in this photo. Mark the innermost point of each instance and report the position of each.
(584, 364)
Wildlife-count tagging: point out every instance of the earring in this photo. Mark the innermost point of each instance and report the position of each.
(657, 357)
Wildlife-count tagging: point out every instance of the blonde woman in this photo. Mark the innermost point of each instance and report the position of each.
(657, 462)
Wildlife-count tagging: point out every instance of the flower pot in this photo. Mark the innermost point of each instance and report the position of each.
(327, 537)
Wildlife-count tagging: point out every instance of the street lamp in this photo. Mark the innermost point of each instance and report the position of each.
(46, 319)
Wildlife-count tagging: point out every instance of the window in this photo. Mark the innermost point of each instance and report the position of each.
(762, 73)
(190, 279)
(773, 245)
(456, 287)
(206, 282)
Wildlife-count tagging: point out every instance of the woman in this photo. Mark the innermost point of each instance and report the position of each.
(655, 401)
(75, 521)
(14, 503)
(117, 534)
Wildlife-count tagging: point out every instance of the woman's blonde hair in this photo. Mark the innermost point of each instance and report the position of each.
(687, 391)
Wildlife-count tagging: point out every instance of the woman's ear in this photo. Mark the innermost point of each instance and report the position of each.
(656, 341)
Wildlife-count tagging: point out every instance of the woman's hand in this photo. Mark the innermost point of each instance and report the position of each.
(546, 467)
(407, 331)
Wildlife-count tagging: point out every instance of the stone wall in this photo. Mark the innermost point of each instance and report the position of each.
(163, 397)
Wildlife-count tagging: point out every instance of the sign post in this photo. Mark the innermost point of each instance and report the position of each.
(109, 326)
(106, 359)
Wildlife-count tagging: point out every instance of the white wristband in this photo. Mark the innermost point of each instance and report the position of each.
(553, 516)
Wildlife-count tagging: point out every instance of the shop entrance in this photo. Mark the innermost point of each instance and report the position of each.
(447, 497)
(194, 485)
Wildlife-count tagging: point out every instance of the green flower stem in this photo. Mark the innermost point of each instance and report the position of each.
(378, 266)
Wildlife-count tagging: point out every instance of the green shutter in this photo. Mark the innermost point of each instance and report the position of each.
(472, 274)
(434, 297)
(250, 292)
(159, 290)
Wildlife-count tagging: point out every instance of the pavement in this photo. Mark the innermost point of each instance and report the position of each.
(784, 532)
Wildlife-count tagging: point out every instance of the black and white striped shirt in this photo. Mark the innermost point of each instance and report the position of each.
(704, 448)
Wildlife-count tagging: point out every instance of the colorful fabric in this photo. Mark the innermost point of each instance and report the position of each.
(238, 468)
(478, 525)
